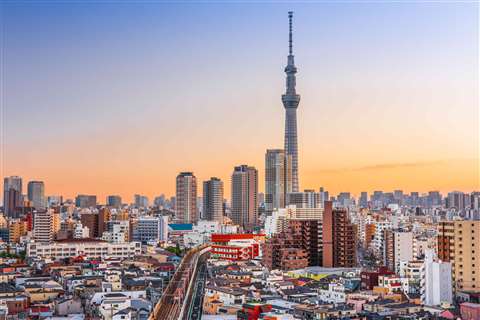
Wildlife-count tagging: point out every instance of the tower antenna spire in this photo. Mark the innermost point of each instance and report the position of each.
(290, 40)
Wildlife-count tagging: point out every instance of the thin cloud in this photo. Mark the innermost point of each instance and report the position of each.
(388, 166)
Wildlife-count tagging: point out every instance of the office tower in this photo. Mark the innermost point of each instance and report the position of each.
(456, 199)
(475, 200)
(85, 201)
(290, 102)
(305, 199)
(12, 196)
(344, 199)
(324, 196)
(459, 243)
(244, 196)
(434, 198)
(43, 225)
(363, 200)
(213, 200)
(377, 199)
(398, 196)
(186, 198)
(339, 238)
(398, 249)
(414, 198)
(140, 201)
(36, 194)
(114, 201)
(151, 229)
(278, 178)
(437, 286)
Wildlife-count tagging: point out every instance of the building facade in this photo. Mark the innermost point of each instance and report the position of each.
(213, 200)
(36, 194)
(12, 196)
(278, 178)
(114, 201)
(186, 210)
(245, 196)
(339, 238)
(85, 201)
(87, 248)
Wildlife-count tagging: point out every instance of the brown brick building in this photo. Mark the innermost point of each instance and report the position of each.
(285, 251)
(339, 238)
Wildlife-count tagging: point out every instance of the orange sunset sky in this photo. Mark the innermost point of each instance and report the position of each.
(119, 98)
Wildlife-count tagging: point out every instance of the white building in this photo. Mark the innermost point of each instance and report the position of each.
(437, 283)
(378, 241)
(88, 248)
(403, 250)
(43, 225)
(151, 229)
(334, 294)
(201, 233)
(80, 231)
(118, 231)
(277, 221)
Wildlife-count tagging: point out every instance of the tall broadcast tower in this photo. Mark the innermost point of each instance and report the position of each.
(290, 101)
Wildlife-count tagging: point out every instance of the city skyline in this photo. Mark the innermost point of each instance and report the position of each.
(106, 148)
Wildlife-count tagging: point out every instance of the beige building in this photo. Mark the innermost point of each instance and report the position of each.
(459, 243)
(82, 247)
(17, 228)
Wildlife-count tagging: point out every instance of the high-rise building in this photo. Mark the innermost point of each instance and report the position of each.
(278, 178)
(324, 196)
(398, 249)
(213, 199)
(459, 243)
(12, 196)
(456, 199)
(36, 194)
(244, 196)
(85, 201)
(339, 238)
(344, 199)
(114, 201)
(186, 198)
(290, 102)
(43, 225)
(140, 201)
(363, 200)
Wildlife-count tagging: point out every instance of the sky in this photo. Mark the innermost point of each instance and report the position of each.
(118, 97)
